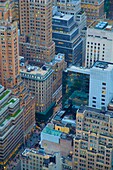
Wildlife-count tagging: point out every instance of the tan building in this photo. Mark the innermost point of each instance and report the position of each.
(39, 81)
(36, 43)
(9, 65)
(45, 83)
(93, 145)
(39, 159)
(93, 9)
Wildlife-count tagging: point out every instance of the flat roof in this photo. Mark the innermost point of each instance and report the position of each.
(106, 25)
(65, 17)
(103, 65)
(101, 112)
(35, 70)
(51, 131)
(76, 69)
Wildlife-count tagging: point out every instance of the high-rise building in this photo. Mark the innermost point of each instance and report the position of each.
(9, 66)
(93, 144)
(35, 42)
(99, 42)
(67, 37)
(40, 160)
(94, 10)
(101, 76)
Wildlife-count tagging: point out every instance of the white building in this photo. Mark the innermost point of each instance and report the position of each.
(101, 85)
(99, 43)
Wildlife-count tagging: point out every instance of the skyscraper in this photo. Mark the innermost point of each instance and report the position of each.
(36, 43)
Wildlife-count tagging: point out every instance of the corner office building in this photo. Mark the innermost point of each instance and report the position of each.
(39, 81)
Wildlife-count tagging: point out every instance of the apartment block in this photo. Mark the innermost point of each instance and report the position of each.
(35, 42)
(67, 37)
(39, 159)
(94, 139)
(94, 10)
(99, 42)
(11, 125)
(101, 76)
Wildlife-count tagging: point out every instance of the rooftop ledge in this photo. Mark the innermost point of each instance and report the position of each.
(9, 117)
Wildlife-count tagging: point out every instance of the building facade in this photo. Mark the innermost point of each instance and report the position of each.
(67, 37)
(75, 86)
(94, 10)
(101, 76)
(35, 42)
(39, 82)
(94, 139)
(99, 42)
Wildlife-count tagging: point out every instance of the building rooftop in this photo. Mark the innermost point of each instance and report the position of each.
(35, 70)
(62, 16)
(27, 152)
(106, 25)
(78, 70)
(103, 65)
(101, 112)
(57, 59)
(51, 131)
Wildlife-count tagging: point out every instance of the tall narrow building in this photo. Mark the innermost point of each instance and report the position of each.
(9, 66)
(36, 43)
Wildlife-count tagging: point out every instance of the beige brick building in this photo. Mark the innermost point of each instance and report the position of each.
(93, 144)
(36, 43)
